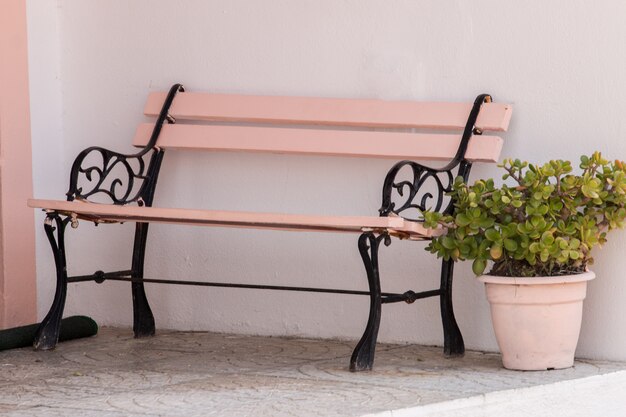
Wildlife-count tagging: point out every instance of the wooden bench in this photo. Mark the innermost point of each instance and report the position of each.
(286, 125)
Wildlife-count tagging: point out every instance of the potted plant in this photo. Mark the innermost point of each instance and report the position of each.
(538, 234)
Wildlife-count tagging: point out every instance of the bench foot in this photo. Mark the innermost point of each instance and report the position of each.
(363, 356)
(47, 334)
(143, 319)
(452, 339)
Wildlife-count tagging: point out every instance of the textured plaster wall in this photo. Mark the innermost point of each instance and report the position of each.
(49, 161)
(561, 64)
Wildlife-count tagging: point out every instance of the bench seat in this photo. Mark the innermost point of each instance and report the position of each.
(97, 213)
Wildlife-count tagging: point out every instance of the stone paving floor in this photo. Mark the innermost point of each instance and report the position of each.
(207, 374)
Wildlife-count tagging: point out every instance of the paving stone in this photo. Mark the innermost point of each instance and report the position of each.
(208, 374)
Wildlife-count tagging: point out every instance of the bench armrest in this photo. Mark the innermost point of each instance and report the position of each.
(411, 188)
(121, 179)
(427, 187)
(101, 174)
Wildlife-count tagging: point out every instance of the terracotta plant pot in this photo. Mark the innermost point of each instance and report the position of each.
(537, 320)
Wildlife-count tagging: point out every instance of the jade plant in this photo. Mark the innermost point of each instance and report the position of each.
(544, 222)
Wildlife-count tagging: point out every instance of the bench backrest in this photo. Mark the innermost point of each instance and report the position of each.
(453, 132)
(325, 126)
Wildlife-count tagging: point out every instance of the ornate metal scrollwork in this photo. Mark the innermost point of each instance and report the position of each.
(121, 178)
(412, 193)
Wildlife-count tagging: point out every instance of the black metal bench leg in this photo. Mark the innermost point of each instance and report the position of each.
(47, 334)
(143, 320)
(363, 355)
(452, 339)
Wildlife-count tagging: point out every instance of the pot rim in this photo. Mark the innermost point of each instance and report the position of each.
(561, 279)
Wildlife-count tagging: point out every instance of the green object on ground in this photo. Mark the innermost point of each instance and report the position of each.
(73, 327)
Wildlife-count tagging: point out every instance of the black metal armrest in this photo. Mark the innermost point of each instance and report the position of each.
(121, 178)
(412, 194)
(426, 189)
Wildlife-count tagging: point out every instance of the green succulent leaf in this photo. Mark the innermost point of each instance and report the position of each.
(478, 266)
(495, 252)
(492, 235)
(510, 245)
(448, 242)
(462, 220)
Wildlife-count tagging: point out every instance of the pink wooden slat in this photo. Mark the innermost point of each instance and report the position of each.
(329, 111)
(93, 211)
(393, 145)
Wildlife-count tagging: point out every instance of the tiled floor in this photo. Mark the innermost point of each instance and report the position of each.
(205, 374)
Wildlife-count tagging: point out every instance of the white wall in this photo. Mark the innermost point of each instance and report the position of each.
(49, 167)
(561, 64)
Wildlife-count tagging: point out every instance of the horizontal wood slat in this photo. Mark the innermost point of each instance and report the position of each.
(275, 221)
(393, 145)
(329, 111)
